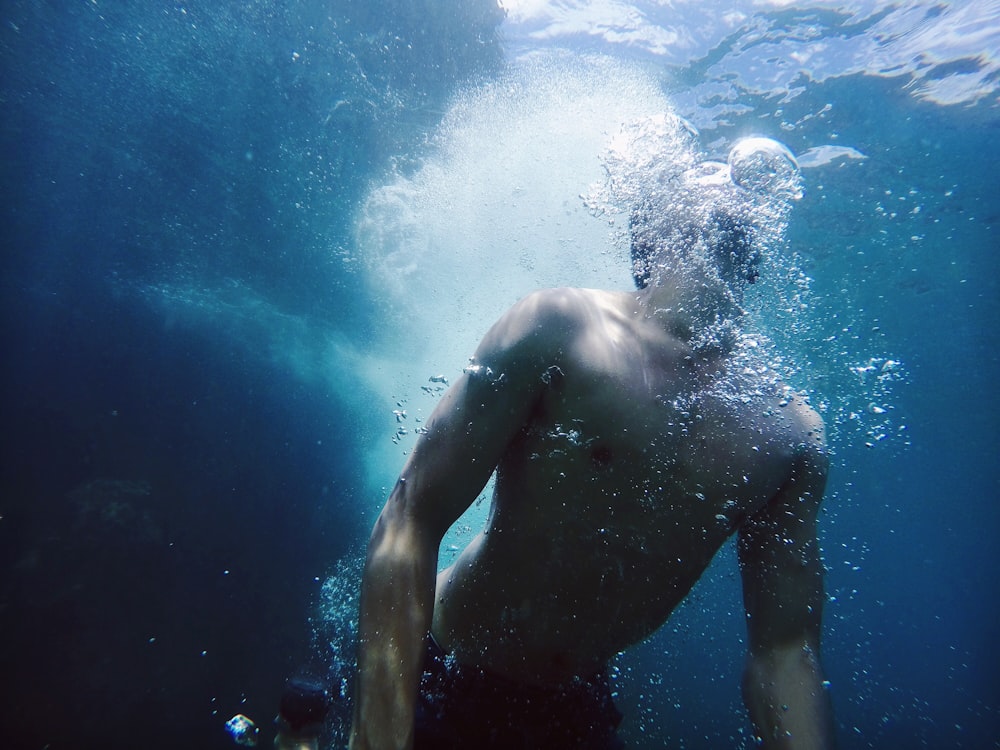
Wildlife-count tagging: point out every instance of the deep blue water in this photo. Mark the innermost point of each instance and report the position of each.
(238, 236)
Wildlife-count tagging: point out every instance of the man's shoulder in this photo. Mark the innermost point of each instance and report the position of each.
(559, 312)
(544, 325)
(809, 433)
(569, 303)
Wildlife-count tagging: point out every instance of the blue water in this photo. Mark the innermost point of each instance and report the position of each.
(238, 236)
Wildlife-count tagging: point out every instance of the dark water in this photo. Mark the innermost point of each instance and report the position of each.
(236, 236)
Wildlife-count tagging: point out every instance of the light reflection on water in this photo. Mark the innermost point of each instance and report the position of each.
(947, 51)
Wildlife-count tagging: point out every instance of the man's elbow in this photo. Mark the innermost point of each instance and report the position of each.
(400, 539)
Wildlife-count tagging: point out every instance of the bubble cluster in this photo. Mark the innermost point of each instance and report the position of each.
(692, 214)
(335, 632)
(873, 414)
(700, 218)
(645, 153)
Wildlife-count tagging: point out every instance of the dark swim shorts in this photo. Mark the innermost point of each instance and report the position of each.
(467, 708)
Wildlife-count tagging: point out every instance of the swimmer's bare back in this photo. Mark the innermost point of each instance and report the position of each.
(632, 466)
(624, 460)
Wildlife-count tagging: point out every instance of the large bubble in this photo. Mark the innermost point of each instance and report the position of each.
(766, 167)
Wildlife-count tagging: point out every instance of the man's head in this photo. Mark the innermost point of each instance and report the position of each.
(715, 216)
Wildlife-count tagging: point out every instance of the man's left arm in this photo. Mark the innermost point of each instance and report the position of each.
(783, 684)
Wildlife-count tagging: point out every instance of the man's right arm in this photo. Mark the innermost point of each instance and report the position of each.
(783, 686)
(466, 436)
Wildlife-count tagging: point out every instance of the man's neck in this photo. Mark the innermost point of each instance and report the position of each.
(697, 309)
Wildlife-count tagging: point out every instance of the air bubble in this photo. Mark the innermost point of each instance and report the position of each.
(766, 167)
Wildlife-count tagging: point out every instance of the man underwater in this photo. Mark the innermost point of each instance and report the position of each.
(629, 442)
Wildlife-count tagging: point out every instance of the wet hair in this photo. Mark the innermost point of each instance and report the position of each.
(725, 231)
(731, 239)
(722, 213)
(643, 243)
